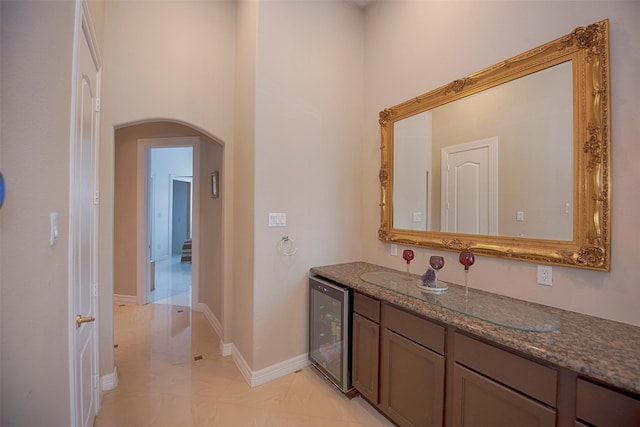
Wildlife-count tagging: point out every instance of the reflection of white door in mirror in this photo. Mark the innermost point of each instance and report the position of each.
(470, 188)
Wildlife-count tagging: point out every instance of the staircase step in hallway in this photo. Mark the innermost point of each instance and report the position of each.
(186, 251)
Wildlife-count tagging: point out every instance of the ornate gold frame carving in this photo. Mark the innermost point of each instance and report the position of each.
(588, 48)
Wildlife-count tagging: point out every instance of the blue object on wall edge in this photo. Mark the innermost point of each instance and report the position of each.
(1, 189)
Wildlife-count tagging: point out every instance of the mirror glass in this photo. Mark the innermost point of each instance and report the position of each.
(512, 161)
(506, 154)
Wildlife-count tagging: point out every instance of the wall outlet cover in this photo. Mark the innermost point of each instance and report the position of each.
(545, 275)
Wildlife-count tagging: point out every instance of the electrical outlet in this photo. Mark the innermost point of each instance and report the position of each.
(394, 249)
(545, 275)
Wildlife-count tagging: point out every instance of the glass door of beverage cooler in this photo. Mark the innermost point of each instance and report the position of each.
(329, 332)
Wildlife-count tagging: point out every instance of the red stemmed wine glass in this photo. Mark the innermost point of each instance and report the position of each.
(467, 259)
(407, 255)
(436, 262)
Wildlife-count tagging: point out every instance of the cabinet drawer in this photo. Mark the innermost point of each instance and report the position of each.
(366, 306)
(601, 406)
(480, 402)
(524, 375)
(424, 332)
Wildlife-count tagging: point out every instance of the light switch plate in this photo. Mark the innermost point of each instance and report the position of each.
(53, 228)
(277, 219)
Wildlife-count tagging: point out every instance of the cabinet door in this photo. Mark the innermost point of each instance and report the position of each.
(603, 407)
(480, 402)
(412, 382)
(365, 346)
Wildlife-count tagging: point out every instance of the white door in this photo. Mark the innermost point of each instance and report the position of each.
(470, 187)
(83, 220)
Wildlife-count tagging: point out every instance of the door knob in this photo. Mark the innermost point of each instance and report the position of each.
(80, 320)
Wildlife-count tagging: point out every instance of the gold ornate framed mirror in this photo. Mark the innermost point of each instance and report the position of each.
(512, 161)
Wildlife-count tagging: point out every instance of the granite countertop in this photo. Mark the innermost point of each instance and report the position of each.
(596, 348)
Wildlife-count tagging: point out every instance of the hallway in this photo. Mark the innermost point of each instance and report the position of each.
(172, 282)
(171, 374)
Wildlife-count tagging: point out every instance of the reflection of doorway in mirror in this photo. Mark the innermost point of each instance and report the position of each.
(470, 187)
(411, 203)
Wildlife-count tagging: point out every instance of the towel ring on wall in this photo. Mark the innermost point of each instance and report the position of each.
(286, 246)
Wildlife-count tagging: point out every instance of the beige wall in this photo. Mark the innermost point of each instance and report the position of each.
(413, 142)
(36, 86)
(307, 161)
(413, 47)
(238, 323)
(210, 245)
(125, 210)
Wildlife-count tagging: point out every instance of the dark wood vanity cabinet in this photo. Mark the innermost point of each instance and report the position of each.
(399, 365)
(365, 346)
(411, 369)
(398, 362)
(600, 406)
(493, 387)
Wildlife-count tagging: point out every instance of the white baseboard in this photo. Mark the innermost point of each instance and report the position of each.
(226, 349)
(279, 369)
(125, 299)
(270, 373)
(110, 381)
(213, 320)
(263, 375)
(242, 364)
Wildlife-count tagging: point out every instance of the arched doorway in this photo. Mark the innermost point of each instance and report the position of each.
(131, 243)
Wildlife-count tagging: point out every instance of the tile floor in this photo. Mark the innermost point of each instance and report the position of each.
(172, 282)
(171, 373)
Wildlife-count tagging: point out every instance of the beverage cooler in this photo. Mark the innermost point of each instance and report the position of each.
(330, 331)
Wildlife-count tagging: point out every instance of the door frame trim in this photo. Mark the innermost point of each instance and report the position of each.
(142, 235)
